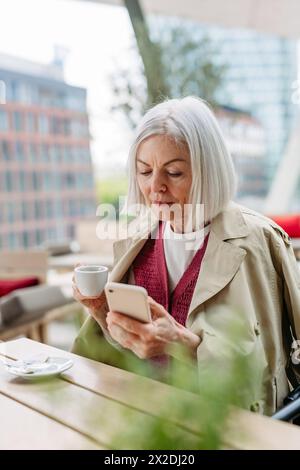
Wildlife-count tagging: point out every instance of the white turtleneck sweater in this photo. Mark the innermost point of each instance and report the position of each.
(180, 249)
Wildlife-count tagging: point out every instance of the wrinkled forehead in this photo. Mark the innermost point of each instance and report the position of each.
(162, 148)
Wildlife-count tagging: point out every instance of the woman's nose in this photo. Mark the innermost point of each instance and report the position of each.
(158, 184)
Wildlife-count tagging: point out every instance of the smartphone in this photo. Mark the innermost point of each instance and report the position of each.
(129, 300)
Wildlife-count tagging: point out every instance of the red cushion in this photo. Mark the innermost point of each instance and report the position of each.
(9, 285)
(289, 223)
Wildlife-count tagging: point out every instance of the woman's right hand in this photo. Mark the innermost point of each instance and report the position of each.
(94, 304)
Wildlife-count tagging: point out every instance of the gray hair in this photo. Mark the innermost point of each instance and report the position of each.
(189, 120)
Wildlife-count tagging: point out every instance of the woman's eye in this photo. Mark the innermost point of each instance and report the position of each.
(173, 175)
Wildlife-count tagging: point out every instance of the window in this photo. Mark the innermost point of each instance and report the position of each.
(3, 120)
(57, 181)
(45, 97)
(22, 181)
(12, 240)
(37, 210)
(25, 211)
(43, 124)
(2, 92)
(72, 207)
(5, 151)
(76, 103)
(39, 235)
(17, 121)
(68, 154)
(65, 208)
(66, 126)
(25, 239)
(70, 180)
(84, 132)
(57, 153)
(55, 125)
(45, 153)
(35, 181)
(8, 181)
(61, 100)
(49, 209)
(52, 153)
(33, 153)
(14, 91)
(19, 152)
(75, 128)
(18, 212)
(4, 240)
(10, 212)
(76, 154)
(58, 209)
(1, 213)
(30, 123)
(72, 154)
(48, 181)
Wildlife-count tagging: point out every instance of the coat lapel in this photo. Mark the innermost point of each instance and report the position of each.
(219, 265)
(126, 250)
(123, 261)
(222, 258)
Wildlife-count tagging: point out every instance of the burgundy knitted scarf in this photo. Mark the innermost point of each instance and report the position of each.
(150, 272)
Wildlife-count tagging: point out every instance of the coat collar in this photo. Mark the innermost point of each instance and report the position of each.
(230, 223)
(219, 265)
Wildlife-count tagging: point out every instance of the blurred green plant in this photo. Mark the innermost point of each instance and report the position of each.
(229, 380)
(109, 190)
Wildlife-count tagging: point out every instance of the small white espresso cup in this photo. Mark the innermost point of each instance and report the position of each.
(90, 279)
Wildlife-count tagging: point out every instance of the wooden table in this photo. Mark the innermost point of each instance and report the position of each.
(82, 408)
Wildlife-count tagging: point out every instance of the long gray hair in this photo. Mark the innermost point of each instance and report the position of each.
(189, 120)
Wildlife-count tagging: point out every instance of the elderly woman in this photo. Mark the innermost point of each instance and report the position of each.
(197, 270)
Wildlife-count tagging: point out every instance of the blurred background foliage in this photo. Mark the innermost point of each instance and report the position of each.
(232, 379)
(201, 73)
(109, 189)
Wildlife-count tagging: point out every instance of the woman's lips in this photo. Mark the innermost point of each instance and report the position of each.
(160, 203)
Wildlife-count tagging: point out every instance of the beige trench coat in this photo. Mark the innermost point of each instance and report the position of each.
(248, 268)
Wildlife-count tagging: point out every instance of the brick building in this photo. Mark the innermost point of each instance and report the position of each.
(46, 174)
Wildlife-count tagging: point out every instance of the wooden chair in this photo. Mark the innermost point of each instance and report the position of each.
(37, 328)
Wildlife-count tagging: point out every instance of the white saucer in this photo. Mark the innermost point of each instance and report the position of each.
(53, 366)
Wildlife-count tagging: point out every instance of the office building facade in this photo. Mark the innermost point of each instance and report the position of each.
(261, 70)
(46, 174)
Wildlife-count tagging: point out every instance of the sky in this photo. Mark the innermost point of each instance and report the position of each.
(96, 36)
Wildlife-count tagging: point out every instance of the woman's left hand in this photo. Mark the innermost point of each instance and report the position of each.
(147, 340)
